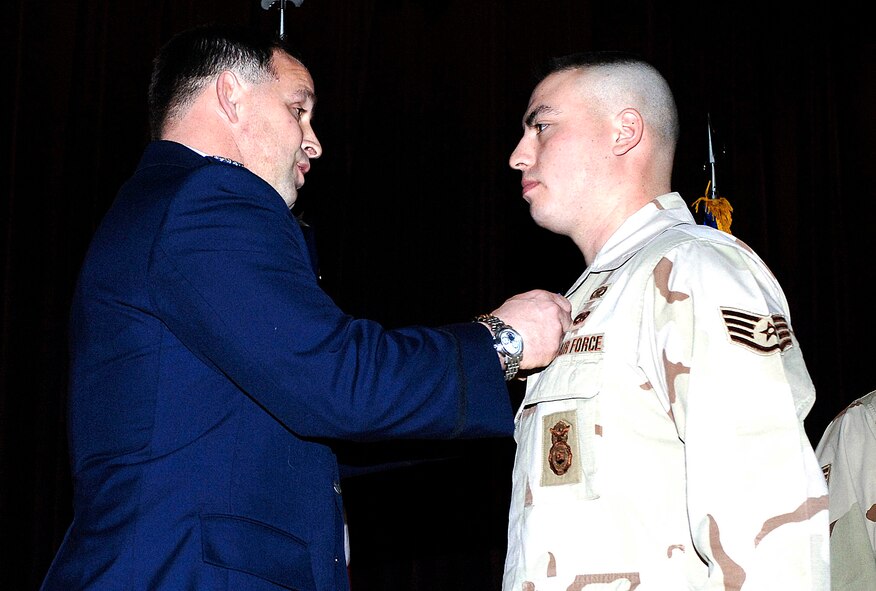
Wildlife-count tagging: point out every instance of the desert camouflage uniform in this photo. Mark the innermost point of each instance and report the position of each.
(847, 452)
(664, 448)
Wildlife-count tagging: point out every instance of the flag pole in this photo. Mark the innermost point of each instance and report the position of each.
(716, 209)
(712, 189)
(266, 4)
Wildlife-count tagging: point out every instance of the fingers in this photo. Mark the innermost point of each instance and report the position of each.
(541, 317)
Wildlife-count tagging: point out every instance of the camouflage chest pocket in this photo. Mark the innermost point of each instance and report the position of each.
(560, 418)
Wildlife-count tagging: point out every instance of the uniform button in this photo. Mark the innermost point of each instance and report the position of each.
(337, 486)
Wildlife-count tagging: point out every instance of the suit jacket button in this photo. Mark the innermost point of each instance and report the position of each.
(337, 486)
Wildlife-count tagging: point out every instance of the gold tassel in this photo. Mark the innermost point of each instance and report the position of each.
(719, 207)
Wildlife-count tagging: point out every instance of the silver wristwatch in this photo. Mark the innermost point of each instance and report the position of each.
(507, 341)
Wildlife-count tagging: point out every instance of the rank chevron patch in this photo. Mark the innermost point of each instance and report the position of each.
(761, 334)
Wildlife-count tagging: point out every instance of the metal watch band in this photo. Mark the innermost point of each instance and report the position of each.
(512, 363)
(495, 323)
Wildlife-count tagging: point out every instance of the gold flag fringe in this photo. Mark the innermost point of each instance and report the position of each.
(719, 207)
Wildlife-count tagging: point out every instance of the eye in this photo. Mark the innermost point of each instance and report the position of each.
(539, 127)
(298, 112)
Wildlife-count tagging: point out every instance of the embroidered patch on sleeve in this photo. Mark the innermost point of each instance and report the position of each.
(761, 334)
(826, 471)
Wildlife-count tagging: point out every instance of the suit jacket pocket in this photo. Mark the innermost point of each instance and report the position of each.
(258, 549)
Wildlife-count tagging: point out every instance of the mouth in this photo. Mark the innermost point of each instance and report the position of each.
(528, 185)
(303, 168)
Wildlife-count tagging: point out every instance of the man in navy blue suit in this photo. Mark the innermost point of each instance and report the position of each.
(209, 371)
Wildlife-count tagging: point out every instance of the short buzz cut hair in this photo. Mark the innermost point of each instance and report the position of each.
(190, 59)
(627, 78)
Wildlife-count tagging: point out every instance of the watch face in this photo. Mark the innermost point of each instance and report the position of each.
(511, 341)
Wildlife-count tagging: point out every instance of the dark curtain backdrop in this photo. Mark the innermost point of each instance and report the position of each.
(419, 218)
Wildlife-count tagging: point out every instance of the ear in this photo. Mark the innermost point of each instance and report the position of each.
(228, 92)
(630, 127)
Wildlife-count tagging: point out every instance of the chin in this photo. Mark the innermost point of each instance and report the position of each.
(544, 221)
(290, 197)
(538, 217)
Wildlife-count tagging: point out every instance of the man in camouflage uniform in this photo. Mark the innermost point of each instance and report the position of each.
(664, 448)
(847, 452)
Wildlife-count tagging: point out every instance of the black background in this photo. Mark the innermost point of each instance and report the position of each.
(418, 216)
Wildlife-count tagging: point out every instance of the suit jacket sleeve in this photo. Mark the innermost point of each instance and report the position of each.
(231, 277)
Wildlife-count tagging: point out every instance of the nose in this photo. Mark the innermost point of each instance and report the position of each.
(310, 144)
(521, 158)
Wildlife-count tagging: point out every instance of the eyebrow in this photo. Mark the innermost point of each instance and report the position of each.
(303, 94)
(533, 115)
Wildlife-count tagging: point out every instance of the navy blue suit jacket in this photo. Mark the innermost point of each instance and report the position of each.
(209, 373)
